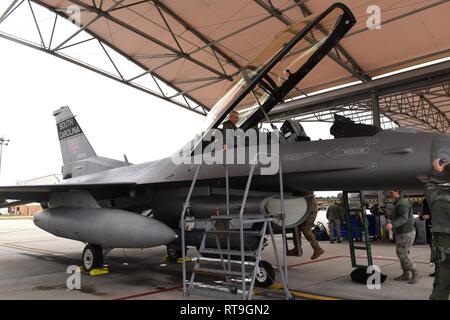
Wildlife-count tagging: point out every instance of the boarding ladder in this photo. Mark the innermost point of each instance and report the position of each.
(239, 268)
(362, 227)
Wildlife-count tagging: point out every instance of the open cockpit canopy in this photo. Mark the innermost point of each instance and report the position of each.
(280, 66)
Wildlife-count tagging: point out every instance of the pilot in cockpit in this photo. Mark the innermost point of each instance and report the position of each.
(232, 120)
(229, 124)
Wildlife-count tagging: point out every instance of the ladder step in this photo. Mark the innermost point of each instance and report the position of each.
(246, 216)
(218, 260)
(222, 294)
(248, 232)
(360, 247)
(222, 272)
(227, 252)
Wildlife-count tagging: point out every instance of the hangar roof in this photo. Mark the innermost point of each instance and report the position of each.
(196, 46)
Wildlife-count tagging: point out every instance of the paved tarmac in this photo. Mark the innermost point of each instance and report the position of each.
(33, 265)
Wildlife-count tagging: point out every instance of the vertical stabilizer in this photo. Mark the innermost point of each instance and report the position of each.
(74, 144)
(78, 155)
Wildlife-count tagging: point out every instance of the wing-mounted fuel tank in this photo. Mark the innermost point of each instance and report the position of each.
(77, 216)
(206, 202)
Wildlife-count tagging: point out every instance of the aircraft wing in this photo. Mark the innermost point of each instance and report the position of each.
(37, 193)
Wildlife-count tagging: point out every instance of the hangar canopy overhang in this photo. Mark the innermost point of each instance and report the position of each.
(186, 52)
(418, 98)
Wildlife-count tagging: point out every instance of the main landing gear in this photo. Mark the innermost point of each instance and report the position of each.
(266, 276)
(92, 257)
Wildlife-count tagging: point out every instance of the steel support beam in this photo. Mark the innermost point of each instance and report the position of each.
(148, 37)
(407, 14)
(397, 99)
(197, 33)
(350, 65)
(353, 68)
(27, 44)
(87, 25)
(411, 80)
(6, 13)
(237, 31)
(376, 116)
(201, 109)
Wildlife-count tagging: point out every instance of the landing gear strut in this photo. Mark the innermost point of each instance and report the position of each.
(92, 257)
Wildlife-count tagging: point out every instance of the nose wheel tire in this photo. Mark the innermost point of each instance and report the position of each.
(266, 276)
(175, 254)
(92, 257)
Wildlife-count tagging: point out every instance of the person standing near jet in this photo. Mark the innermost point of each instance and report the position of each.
(306, 229)
(438, 198)
(425, 215)
(335, 215)
(402, 221)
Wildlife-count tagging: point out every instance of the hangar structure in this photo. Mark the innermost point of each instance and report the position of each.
(187, 52)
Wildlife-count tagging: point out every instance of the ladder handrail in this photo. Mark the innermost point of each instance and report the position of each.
(241, 226)
(364, 229)
(283, 270)
(183, 215)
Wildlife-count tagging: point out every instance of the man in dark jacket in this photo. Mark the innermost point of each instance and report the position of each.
(438, 197)
(230, 126)
(335, 215)
(402, 222)
(425, 215)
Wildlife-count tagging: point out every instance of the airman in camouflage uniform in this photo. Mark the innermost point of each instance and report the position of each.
(438, 197)
(335, 216)
(402, 221)
(306, 228)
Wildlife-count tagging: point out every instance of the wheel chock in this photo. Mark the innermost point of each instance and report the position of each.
(99, 271)
(95, 272)
(187, 259)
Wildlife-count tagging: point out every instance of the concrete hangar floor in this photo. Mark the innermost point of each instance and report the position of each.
(33, 265)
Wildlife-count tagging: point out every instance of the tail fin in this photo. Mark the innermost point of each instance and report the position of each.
(79, 158)
(74, 144)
